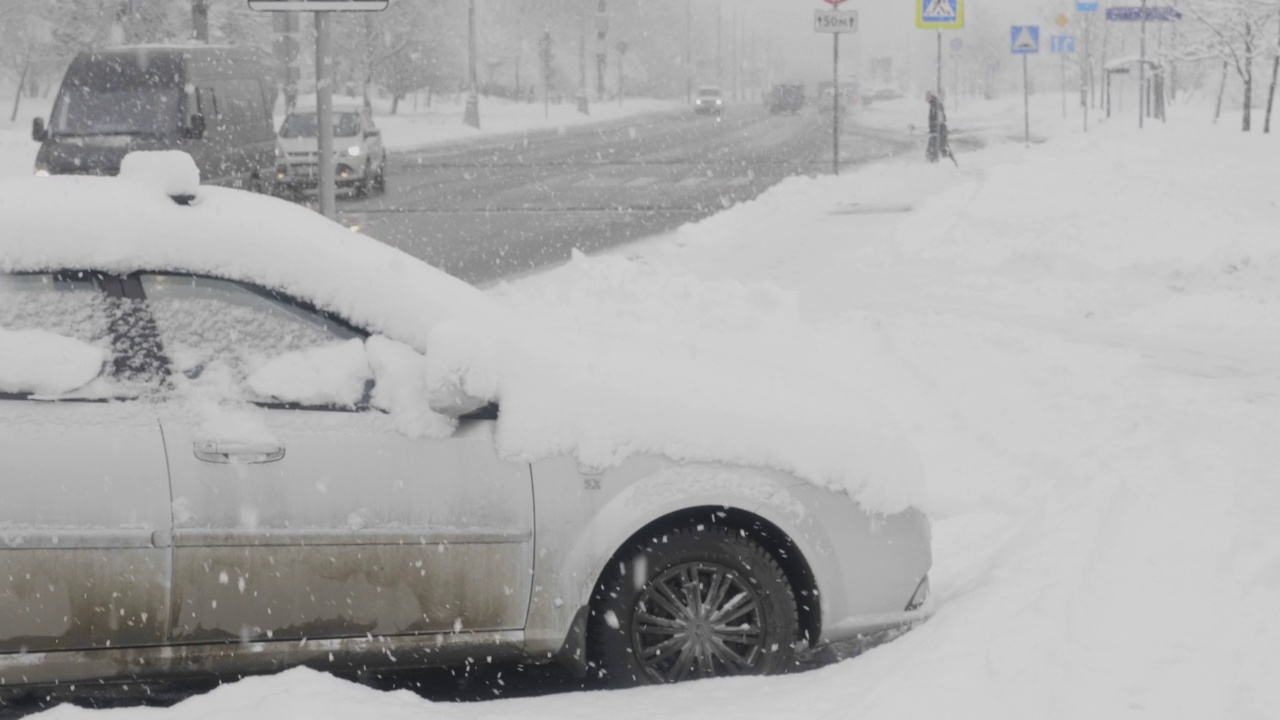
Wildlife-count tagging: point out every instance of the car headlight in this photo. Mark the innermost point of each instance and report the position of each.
(41, 170)
(354, 151)
(719, 102)
(279, 153)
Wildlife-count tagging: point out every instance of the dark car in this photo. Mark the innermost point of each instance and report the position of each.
(786, 98)
(210, 102)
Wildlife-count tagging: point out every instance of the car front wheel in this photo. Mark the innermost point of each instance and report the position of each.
(697, 602)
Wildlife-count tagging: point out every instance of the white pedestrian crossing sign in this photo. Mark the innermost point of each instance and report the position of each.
(1025, 40)
(940, 14)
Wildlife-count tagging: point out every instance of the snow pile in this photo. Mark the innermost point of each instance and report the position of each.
(563, 389)
(44, 363)
(172, 172)
(332, 375)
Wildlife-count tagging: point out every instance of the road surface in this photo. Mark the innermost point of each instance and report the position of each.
(490, 209)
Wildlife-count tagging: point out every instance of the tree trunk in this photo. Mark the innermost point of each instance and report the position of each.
(1247, 122)
(17, 97)
(395, 102)
(1271, 94)
(1222, 89)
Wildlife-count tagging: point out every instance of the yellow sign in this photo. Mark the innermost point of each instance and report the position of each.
(940, 14)
(1062, 20)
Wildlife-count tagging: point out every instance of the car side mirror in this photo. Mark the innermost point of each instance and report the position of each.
(38, 132)
(373, 132)
(196, 128)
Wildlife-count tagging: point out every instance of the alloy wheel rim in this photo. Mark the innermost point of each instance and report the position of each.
(698, 620)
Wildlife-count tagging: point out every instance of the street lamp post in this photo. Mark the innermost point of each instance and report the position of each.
(472, 116)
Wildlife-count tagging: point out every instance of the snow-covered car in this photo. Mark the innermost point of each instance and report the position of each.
(360, 160)
(710, 101)
(237, 437)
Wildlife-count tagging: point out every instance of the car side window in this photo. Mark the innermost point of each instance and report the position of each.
(55, 335)
(240, 342)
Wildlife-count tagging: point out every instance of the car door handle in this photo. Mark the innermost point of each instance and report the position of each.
(242, 453)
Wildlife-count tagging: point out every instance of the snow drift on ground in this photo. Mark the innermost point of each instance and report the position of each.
(1081, 339)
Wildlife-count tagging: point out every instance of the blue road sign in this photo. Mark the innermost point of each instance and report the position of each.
(1087, 7)
(941, 14)
(1138, 14)
(1024, 40)
(1062, 44)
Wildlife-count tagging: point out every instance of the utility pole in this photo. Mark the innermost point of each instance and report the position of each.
(602, 48)
(938, 86)
(200, 20)
(720, 43)
(324, 115)
(688, 51)
(472, 116)
(583, 106)
(1142, 69)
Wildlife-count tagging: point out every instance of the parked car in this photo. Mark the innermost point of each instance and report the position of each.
(710, 101)
(219, 457)
(360, 160)
(210, 102)
(788, 98)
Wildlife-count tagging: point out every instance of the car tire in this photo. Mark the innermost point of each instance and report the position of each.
(646, 628)
(380, 180)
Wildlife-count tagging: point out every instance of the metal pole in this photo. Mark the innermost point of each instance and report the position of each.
(324, 115)
(1142, 69)
(688, 50)
(955, 66)
(1086, 75)
(1064, 86)
(938, 86)
(1026, 100)
(472, 116)
(835, 107)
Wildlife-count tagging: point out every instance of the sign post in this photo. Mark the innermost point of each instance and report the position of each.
(324, 81)
(1024, 40)
(835, 22)
(940, 15)
(1086, 66)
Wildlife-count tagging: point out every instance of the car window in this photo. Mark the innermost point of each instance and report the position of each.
(55, 333)
(305, 124)
(244, 343)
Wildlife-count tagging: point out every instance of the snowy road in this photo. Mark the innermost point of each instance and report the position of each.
(491, 209)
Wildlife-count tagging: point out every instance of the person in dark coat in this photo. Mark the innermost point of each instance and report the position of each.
(938, 147)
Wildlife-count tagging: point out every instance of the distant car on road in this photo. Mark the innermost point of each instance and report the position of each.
(710, 101)
(360, 160)
(210, 102)
(786, 98)
(216, 430)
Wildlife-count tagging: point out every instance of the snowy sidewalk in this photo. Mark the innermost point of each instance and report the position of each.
(1082, 338)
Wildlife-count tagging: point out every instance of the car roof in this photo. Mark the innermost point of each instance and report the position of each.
(122, 226)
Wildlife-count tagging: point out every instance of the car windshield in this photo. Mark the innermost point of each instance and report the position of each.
(296, 125)
(709, 93)
(132, 111)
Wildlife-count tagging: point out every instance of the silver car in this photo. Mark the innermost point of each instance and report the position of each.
(360, 160)
(146, 533)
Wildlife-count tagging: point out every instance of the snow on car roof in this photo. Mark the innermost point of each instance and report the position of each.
(562, 392)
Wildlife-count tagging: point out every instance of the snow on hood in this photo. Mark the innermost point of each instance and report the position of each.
(585, 386)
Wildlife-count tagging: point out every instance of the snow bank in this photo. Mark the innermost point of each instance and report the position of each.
(565, 387)
(44, 363)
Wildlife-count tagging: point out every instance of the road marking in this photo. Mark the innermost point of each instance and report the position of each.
(641, 182)
(691, 182)
(740, 182)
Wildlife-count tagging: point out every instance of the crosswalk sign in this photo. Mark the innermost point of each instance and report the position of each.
(940, 14)
(1025, 40)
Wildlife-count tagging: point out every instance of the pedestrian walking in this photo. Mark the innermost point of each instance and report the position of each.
(938, 146)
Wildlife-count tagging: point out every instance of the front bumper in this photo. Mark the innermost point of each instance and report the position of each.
(851, 639)
(300, 176)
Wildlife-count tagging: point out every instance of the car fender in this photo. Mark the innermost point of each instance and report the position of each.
(584, 517)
